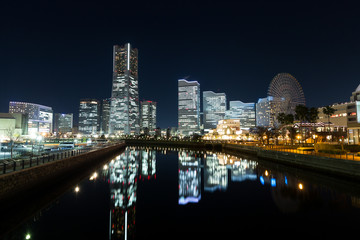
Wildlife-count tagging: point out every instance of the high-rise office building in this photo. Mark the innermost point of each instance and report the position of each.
(63, 123)
(89, 116)
(214, 107)
(148, 115)
(105, 116)
(124, 110)
(243, 111)
(40, 118)
(267, 110)
(188, 107)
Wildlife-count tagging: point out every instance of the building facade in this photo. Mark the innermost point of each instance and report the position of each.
(105, 116)
(188, 107)
(89, 110)
(353, 117)
(267, 110)
(340, 116)
(63, 123)
(12, 124)
(40, 117)
(124, 110)
(245, 112)
(346, 118)
(214, 107)
(148, 115)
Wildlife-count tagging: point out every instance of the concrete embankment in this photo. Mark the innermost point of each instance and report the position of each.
(17, 182)
(331, 166)
(26, 192)
(339, 167)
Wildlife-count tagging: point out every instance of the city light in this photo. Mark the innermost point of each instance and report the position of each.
(93, 176)
(301, 187)
(77, 189)
(27, 236)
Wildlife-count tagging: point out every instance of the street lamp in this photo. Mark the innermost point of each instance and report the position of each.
(314, 137)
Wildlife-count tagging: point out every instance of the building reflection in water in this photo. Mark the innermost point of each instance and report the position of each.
(123, 174)
(217, 169)
(292, 191)
(189, 177)
(215, 174)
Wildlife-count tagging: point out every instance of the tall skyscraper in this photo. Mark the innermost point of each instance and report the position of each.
(148, 115)
(89, 116)
(214, 107)
(40, 118)
(105, 116)
(124, 110)
(188, 107)
(243, 111)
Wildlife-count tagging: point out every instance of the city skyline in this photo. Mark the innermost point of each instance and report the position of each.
(237, 52)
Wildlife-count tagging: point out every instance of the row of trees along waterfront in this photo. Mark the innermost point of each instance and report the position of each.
(304, 115)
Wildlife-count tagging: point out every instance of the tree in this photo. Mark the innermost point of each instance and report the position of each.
(313, 115)
(328, 111)
(301, 114)
(286, 120)
(260, 131)
(13, 137)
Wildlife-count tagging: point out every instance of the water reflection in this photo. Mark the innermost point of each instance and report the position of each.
(207, 176)
(189, 177)
(123, 174)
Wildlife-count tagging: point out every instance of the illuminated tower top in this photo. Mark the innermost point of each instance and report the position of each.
(125, 58)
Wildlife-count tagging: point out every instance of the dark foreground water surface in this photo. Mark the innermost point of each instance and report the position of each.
(164, 194)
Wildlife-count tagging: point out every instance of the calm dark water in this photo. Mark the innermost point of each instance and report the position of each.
(163, 194)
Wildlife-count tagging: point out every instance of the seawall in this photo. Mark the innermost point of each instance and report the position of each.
(17, 182)
(348, 169)
(332, 166)
(24, 193)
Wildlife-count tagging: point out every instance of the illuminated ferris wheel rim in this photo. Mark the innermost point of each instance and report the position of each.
(284, 85)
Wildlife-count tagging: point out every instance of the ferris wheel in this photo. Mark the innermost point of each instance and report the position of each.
(285, 87)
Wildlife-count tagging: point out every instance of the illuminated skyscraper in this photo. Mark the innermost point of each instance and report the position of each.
(89, 116)
(124, 110)
(63, 123)
(105, 116)
(267, 110)
(188, 107)
(148, 115)
(243, 111)
(214, 107)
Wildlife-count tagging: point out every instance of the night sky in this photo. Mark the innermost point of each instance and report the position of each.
(55, 53)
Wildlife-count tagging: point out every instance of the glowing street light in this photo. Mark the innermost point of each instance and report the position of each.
(27, 236)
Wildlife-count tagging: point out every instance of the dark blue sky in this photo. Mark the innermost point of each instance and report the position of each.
(54, 53)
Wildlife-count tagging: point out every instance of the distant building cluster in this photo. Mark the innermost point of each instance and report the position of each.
(284, 94)
(121, 114)
(210, 114)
